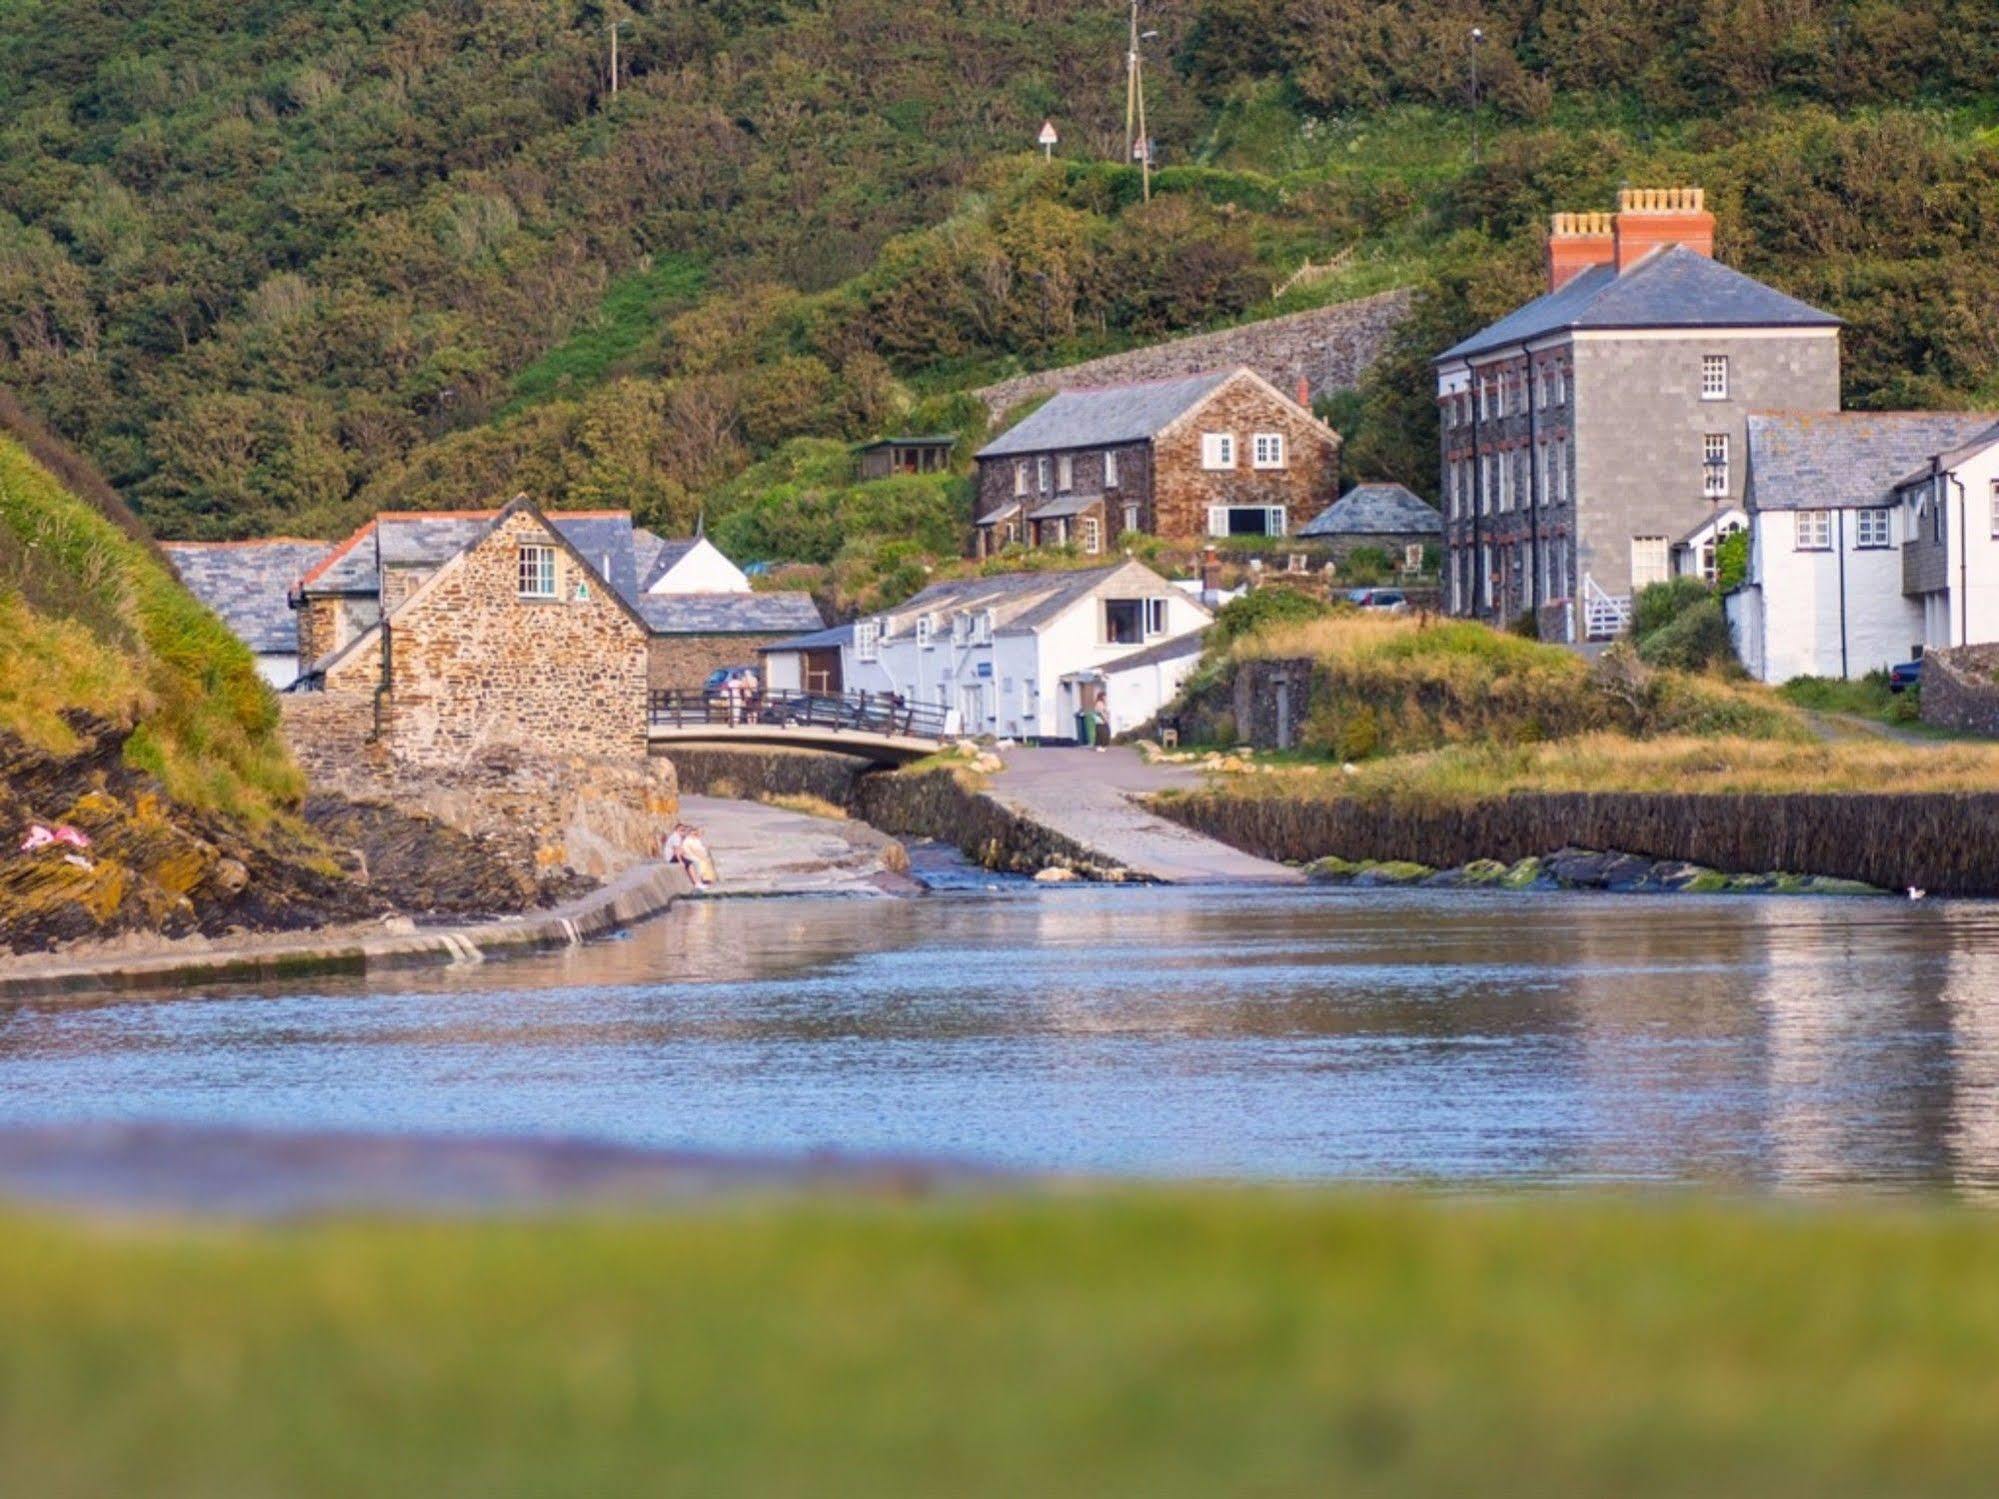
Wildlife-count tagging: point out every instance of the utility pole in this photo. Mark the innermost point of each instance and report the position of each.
(613, 27)
(1138, 146)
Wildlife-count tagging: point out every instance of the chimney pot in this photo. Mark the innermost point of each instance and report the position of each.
(1577, 241)
(1305, 392)
(1649, 218)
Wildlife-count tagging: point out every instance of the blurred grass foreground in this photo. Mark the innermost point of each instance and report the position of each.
(1223, 1343)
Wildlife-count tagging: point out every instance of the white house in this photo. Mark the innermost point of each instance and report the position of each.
(1871, 539)
(1694, 554)
(694, 565)
(1018, 655)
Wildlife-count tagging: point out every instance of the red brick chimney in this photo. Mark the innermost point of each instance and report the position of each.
(1649, 217)
(1577, 241)
(1211, 570)
(1304, 392)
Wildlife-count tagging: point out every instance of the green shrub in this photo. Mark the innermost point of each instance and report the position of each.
(1261, 608)
(1659, 604)
(1731, 561)
(1696, 639)
(1367, 565)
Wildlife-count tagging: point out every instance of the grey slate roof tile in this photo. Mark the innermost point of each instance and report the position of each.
(1190, 644)
(830, 638)
(1847, 460)
(1105, 415)
(729, 613)
(1065, 505)
(1375, 510)
(248, 583)
(1671, 288)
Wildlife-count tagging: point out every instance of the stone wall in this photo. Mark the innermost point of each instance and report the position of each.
(1961, 689)
(475, 667)
(328, 621)
(330, 732)
(684, 661)
(1329, 347)
(703, 770)
(1272, 700)
(1182, 490)
(996, 482)
(1944, 842)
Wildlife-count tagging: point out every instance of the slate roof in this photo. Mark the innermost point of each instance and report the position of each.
(830, 638)
(1847, 460)
(729, 613)
(606, 538)
(1018, 601)
(248, 583)
(1064, 505)
(1190, 644)
(927, 440)
(664, 557)
(1375, 510)
(1671, 288)
(1105, 415)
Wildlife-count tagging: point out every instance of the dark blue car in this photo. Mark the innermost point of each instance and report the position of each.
(1905, 674)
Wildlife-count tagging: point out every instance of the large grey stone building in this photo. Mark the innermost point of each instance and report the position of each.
(1586, 432)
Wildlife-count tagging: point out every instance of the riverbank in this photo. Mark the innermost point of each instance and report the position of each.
(1133, 1342)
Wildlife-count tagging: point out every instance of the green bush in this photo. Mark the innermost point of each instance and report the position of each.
(1261, 608)
(1659, 604)
(1695, 639)
(1731, 561)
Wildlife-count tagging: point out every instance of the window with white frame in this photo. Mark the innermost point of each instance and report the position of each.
(1505, 483)
(925, 627)
(1714, 377)
(1065, 472)
(1217, 450)
(1561, 470)
(1266, 450)
(1814, 530)
(1110, 470)
(1870, 528)
(1651, 561)
(1091, 535)
(1041, 475)
(867, 640)
(1131, 517)
(537, 572)
(982, 626)
(1714, 465)
(961, 628)
(1020, 478)
(1155, 616)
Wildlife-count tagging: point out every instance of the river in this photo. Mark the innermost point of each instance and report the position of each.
(1383, 1035)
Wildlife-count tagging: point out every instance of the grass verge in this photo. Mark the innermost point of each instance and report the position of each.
(1161, 1344)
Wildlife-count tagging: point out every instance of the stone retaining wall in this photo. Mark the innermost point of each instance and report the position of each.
(1330, 348)
(1946, 843)
(1961, 689)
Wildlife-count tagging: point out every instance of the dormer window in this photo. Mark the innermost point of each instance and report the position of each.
(867, 640)
(537, 572)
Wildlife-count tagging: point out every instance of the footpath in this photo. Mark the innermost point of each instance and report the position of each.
(1091, 798)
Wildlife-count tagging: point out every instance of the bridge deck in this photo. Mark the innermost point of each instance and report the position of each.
(869, 725)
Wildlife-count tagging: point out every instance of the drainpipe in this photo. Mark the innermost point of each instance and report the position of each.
(1963, 561)
(1839, 541)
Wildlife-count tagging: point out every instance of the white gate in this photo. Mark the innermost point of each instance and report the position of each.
(1605, 615)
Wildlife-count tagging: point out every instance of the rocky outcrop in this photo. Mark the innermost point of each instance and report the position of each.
(1961, 689)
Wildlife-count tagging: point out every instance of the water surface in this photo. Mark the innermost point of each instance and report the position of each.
(1451, 1036)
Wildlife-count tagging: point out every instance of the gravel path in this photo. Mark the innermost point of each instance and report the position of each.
(1088, 796)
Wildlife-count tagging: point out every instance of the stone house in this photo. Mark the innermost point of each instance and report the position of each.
(699, 609)
(1387, 517)
(1017, 655)
(1874, 537)
(245, 582)
(516, 642)
(1585, 431)
(1219, 454)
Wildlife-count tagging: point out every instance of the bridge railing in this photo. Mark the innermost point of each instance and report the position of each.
(857, 712)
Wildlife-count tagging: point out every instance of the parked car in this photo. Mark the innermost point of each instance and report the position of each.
(1905, 674)
(719, 677)
(1379, 598)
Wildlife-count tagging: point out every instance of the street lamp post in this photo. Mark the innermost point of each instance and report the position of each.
(1477, 39)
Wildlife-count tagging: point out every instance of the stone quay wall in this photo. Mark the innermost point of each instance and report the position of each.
(1944, 842)
(1961, 689)
(1330, 348)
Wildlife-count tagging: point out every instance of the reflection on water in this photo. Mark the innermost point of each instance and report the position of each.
(1427, 1035)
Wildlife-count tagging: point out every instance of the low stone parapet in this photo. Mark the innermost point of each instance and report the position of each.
(1961, 689)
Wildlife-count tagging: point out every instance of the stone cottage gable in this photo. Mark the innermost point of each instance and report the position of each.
(1183, 488)
(476, 664)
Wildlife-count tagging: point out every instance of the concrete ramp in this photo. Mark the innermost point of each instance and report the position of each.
(1091, 798)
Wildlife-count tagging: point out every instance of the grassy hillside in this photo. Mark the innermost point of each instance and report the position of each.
(93, 621)
(272, 264)
(1161, 1344)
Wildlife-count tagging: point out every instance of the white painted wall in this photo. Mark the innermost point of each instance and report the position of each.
(1795, 627)
(784, 671)
(1138, 693)
(279, 670)
(1967, 612)
(703, 570)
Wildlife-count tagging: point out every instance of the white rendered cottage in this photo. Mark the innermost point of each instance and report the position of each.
(1017, 655)
(1874, 535)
